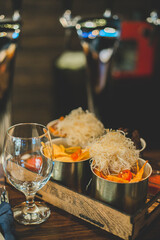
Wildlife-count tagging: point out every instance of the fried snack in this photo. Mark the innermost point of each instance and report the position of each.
(126, 176)
(66, 154)
(79, 127)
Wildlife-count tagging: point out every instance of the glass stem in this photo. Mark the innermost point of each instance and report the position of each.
(30, 206)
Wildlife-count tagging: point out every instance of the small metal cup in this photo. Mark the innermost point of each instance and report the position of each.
(127, 197)
(74, 175)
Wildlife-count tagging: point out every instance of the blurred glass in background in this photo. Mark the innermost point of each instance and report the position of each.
(10, 28)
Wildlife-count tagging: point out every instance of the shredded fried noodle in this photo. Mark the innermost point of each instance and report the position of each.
(80, 127)
(113, 152)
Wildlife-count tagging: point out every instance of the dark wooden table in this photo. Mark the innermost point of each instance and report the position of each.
(62, 225)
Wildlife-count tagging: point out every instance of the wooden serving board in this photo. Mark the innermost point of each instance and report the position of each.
(104, 216)
(100, 214)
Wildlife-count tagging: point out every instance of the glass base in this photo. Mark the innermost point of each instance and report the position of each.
(24, 215)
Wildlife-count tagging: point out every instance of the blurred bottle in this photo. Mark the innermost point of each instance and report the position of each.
(69, 68)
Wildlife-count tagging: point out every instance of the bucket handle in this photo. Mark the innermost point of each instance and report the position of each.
(88, 185)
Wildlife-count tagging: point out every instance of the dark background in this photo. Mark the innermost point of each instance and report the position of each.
(42, 92)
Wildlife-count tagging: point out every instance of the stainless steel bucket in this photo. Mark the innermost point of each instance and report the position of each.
(74, 175)
(127, 197)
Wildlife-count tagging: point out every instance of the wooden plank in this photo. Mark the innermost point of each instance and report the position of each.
(88, 209)
(146, 216)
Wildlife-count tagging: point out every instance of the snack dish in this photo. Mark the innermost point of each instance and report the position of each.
(126, 197)
(119, 175)
(79, 127)
(113, 152)
(63, 153)
(74, 174)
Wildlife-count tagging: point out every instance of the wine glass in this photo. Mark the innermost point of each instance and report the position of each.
(99, 37)
(27, 168)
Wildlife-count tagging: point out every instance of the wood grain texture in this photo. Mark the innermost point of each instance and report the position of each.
(99, 214)
(88, 209)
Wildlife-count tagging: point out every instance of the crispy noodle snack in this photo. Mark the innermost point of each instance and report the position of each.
(79, 127)
(115, 158)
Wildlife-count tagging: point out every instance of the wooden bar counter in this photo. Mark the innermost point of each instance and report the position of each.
(62, 225)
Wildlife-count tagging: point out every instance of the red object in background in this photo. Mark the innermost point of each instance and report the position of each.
(34, 163)
(141, 57)
(154, 182)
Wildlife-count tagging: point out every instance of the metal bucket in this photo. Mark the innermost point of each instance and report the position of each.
(127, 197)
(74, 175)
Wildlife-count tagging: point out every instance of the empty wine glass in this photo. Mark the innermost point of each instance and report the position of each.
(27, 168)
